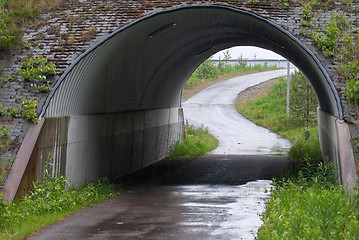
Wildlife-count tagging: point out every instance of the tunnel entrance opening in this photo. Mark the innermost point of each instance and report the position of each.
(116, 109)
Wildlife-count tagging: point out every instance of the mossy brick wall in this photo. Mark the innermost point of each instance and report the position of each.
(70, 29)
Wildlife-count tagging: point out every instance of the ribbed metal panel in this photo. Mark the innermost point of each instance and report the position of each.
(145, 64)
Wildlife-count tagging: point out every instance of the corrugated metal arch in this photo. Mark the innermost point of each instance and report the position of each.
(145, 64)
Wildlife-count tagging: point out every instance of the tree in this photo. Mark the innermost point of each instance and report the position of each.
(303, 101)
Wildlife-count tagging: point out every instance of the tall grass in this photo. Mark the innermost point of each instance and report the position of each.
(308, 205)
(197, 142)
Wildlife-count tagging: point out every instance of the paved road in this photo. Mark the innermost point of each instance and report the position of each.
(213, 107)
(198, 199)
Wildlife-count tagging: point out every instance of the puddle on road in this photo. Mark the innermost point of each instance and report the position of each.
(224, 212)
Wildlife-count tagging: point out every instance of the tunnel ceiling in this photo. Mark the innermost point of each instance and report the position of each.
(146, 64)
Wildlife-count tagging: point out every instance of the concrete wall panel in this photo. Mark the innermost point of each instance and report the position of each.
(87, 147)
(328, 139)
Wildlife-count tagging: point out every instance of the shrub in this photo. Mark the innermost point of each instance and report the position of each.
(351, 72)
(328, 39)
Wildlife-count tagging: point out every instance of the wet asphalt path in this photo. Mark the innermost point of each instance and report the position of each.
(213, 107)
(206, 198)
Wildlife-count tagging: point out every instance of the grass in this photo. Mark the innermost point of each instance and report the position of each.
(269, 111)
(307, 205)
(197, 142)
(50, 200)
(19, 14)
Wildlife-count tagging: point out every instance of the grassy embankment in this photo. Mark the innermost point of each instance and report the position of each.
(306, 204)
(300, 127)
(50, 200)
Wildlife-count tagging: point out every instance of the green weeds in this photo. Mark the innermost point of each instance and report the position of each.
(36, 70)
(26, 110)
(337, 40)
(50, 200)
(328, 39)
(4, 131)
(197, 142)
(14, 14)
(308, 206)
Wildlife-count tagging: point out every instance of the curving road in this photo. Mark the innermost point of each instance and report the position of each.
(213, 107)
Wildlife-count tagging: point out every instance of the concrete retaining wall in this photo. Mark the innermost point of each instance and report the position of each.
(334, 135)
(86, 147)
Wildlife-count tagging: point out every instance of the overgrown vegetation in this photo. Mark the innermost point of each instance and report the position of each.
(50, 200)
(336, 40)
(36, 71)
(300, 127)
(26, 110)
(197, 142)
(14, 14)
(210, 71)
(308, 205)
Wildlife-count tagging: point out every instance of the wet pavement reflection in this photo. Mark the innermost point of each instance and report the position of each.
(209, 197)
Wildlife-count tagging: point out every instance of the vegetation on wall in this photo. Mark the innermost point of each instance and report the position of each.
(336, 40)
(26, 110)
(15, 14)
(6, 37)
(36, 71)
